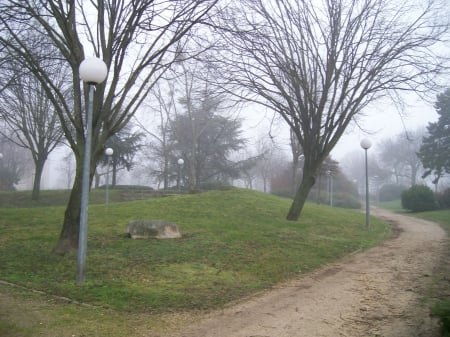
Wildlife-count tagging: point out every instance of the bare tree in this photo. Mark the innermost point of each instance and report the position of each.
(68, 168)
(138, 41)
(399, 155)
(160, 146)
(319, 64)
(13, 163)
(31, 119)
(268, 153)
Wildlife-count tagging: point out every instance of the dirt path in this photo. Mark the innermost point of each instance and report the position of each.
(374, 293)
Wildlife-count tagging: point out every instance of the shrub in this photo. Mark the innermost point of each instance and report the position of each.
(284, 193)
(345, 200)
(443, 199)
(391, 192)
(213, 185)
(419, 198)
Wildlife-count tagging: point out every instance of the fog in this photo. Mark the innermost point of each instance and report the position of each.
(377, 124)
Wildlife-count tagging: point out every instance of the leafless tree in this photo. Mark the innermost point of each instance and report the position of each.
(399, 154)
(14, 163)
(30, 118)
(320, 63)
(162, 104)
(138, 41)
(68, 169)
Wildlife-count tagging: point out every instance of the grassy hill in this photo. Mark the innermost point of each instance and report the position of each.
(235, 243)
(22, 199)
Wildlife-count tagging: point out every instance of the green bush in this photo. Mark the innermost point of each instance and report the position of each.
(442, 310)
(345, 200)
(419, 198)
(443, 199)
(284, 193)
(391, 192)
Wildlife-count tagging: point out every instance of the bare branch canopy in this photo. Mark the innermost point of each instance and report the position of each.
(318, 64)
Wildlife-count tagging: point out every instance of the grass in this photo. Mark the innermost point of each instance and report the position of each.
(442, 307)
(395, 206)
(22, 199)
(442, 288)
(235, 243)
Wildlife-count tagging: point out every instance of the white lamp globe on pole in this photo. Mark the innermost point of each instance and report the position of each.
(366, 144)
(92, 71)
(109, 152)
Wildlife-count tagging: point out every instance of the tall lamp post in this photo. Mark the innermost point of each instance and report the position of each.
(180, 165)
(92, 71)
(109, 152)
(366, 144)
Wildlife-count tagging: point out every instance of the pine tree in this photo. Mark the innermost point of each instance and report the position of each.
(435, 150)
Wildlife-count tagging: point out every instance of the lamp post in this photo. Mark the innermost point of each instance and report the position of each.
(366, 144)
(180, 165)
(1, 169)
(330, 174)
(92, 71)
(109, 152)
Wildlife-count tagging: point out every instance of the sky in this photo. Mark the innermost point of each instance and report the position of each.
(378, 124)
(384, 122)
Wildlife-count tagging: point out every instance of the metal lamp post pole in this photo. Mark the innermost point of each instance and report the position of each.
(180, 165)
(82, 240)
(366, 144)
(1, 166)
(93, 71)
(331, 189)
(367, 192)
(109, 152)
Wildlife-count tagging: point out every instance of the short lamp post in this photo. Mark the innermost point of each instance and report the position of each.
(1, 166)
(109, 152)
(366, 144)
(180, 165)
(1, 169)
(92, 71)
(331, 187)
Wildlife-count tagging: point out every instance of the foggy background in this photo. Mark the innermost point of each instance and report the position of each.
(379, 124)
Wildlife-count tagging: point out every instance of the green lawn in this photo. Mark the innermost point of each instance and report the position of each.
(235, 243)
(441, 217)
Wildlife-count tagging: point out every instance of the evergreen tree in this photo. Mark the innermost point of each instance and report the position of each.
(206, 140)
(435, 150)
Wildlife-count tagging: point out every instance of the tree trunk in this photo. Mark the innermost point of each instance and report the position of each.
(192, 173)
(96, 180)
(301, 195)
(68, 239)
(39, 167)
(166, 173)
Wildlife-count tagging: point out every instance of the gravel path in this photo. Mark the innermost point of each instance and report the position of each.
(373, 293)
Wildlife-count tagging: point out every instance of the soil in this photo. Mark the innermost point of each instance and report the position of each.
(379, 292)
